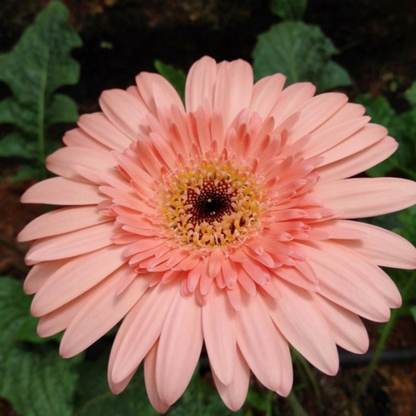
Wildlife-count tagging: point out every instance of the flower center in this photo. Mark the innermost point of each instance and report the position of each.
(211, 202)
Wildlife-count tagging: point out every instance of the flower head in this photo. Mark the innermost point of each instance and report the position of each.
(226, 221)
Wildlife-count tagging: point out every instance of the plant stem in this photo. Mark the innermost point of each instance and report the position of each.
(295, 405)
(269, 410)
(41, 124)
(310, 376)
(362, 387)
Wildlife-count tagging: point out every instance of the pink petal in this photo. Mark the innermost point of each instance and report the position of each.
(61, 221)
(124, 111)
(215, 262)
(266, 92)
(101, 312)
(150, 380)
(326, 139)
(70, 244)
(200, 83)
(258, 341)
(179, 348)
(219, 334)
(366, 137)
(59, 319)
(39, 274)
(316, 111)
(382, 247)
(140, 331)
(302, 324)
(61, 191)
(233, 89)
(291, 100)
(76, 277)
(157, 92)
(78, 138)
(367, 197)
(63, 161)
(348, 112)
(234, 393)
(358, 162)
(347, 328)
(343, 283)
(101, 129)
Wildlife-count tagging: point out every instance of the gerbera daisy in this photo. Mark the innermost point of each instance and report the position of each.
(224, 221)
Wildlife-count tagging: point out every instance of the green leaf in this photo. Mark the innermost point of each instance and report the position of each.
(36, 67)
(410, 94)
(175, 76)
(16, 145)
(288, 9)
(16, 323)
(301, 52)
(200, 399)
(62, 109)
(34, 378)
(27, 172)
(39, 382)
(332, 76)
(413, 312)
(94, 397)
(400, 126)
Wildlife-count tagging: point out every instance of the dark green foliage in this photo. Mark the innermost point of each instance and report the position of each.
(302, 53)
(38, 65)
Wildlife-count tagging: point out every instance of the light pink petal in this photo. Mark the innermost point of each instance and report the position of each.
(179, 348)
(258, 341)
(358, 162)
(70, 244)
(382, 247)
(78, 138)
(63, 161)
(366, 137)
(316, 111)
(367, 197)
(61, 191)
(76, 277)
(302, 324)
(200, 83)
(39, 274)
(266, 93)
(101, 129)
(233, 89)
(61, 221)
(324, 140)
(219, 334)
(124, 111)
(348, 112)
(291, 100)
(343, 283)
(234, 393)
(366, 270)
(59, 319)
(150, 380)
(339, 230)
(101, 312)
(117, 388)
(138, 333)
(347, 328)
(157, 92)
(286, 382)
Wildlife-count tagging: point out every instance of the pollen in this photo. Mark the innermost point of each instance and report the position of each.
(211, 202)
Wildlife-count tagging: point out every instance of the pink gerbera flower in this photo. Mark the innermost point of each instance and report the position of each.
(224, 222)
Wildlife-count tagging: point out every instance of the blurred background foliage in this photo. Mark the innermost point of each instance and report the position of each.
(56, 58)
